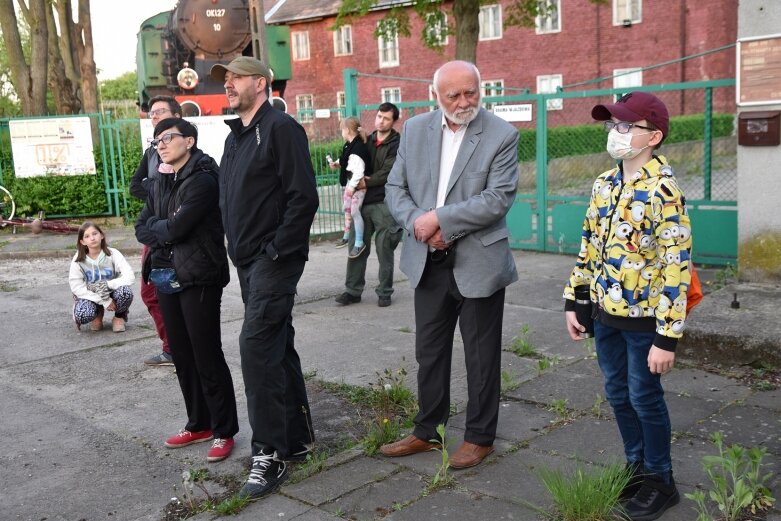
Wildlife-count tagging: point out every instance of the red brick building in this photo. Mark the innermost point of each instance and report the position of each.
(581, 41)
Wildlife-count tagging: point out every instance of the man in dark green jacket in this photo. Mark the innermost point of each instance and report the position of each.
(383, 145)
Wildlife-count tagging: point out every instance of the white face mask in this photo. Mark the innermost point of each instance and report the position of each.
(619, 146)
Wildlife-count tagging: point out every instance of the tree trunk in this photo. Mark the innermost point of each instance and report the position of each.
(89, 78)
(67, 49)
(29, 82)
(65, 99)
(466, 13)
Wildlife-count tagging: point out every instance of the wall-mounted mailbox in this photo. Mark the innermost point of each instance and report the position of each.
(759, 129)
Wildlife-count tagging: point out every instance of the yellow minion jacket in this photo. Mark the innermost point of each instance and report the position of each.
(635, 252)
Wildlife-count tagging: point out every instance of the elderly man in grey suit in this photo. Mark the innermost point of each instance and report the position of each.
(453, 182)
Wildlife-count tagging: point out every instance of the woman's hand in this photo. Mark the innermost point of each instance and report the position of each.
(573, 326)
(112, 306)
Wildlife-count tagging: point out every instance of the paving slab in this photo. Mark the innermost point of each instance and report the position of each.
(578, 384)
(451, 504)
(276, 507)
(686, 412)
(336, 482)
(517, 421)
(749, 426)
(586, 439)
(379, 498)
(767, 399)
(704, 385)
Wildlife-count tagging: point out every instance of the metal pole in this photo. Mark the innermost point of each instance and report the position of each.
(258, 27)
(350, 77)
(707, 144)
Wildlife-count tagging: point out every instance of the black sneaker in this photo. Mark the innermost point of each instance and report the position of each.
(652, 500)
(265, 476)
(634, 483)
(298, 454)
(384, 302)
(356, 251)
(341, 243)
(347, 299)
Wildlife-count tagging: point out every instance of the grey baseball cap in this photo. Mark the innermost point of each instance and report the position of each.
(242, 65)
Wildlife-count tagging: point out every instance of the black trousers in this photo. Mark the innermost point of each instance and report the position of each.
(277, 404)
(192, 321)
(438, 306)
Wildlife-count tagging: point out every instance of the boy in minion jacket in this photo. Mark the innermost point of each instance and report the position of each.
(634, 256)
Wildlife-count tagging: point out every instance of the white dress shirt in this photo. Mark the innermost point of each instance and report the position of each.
(451, 142)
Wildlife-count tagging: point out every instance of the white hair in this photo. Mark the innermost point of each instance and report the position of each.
(438, 72)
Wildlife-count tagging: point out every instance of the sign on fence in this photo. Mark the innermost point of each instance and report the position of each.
(514, 112)
(59, 146)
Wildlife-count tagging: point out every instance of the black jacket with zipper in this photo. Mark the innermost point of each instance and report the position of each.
(268, 194)
(181, 224)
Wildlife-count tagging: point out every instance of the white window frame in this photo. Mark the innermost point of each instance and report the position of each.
(343, 41)
(489, 88)
(494, 22)
(341, 103)
(390, 95)
(301, 101)
(631, 10)
(633, 79)
(438, 32)
(547, 83)
(544, 24)
(432, 97)
(300, 41)
(388, 51)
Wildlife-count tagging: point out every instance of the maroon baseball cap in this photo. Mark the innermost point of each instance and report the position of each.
(634, 107)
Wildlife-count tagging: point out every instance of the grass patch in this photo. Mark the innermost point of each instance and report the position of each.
(522, 344)
(585, 495)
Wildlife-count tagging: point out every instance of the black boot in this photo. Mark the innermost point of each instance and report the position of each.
(634, 483)
(653, 499)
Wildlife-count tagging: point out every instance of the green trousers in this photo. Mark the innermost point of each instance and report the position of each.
(387, 234)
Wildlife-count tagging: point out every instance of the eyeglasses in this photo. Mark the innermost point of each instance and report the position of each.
(158, 112)
(622, 126)
(165, 139)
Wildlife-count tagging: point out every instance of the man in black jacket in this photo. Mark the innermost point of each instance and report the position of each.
(268, 199)
(383, 145)
(160, 108)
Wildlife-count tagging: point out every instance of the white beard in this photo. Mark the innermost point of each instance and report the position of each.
(462, 117)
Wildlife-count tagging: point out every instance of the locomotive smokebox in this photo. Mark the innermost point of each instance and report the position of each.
(212, 29)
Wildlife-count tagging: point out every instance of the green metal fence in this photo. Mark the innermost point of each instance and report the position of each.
(562, 150)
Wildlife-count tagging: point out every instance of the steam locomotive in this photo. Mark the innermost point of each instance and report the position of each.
(176, 49)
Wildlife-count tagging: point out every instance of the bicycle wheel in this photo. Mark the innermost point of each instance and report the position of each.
(7, 205)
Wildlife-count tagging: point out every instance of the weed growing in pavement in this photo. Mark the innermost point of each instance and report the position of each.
(585, 495)
(738, 485)
(233, 505)
(559, 406)
(510, 382)
(191, 479)
(442, 478)
(546, 363)
(314, 463)
(379, 433)
(596, 409)
(591, 349)
(724, 277)
(405, 329)
(522, 344)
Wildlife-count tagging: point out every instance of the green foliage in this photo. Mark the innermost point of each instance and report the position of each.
(559, 406)
(233, 505)
(318, 151)
(522, 344)
(546, 362)
(590, 139)
(586, 495)
(510, 382)
(378, 433)
(738, 486)
(314, 463)
(121, 88)
(442, 478)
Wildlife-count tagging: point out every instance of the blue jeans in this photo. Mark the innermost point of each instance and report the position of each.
(636, 396)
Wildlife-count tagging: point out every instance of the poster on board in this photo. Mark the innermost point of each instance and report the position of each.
(52, 146)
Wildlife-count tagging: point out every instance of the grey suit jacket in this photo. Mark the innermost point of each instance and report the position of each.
(480, 193)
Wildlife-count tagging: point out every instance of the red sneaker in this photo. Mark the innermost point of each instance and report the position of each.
(185, 438)
(221, 449)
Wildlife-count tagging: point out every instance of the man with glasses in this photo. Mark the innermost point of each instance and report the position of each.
(268, 199)
(160, 108)
(638, 283)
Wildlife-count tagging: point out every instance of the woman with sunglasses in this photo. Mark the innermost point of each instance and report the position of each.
(188, 264)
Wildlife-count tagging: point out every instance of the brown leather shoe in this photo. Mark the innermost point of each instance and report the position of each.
(97, 322)
(469, 455)
(117, 325)
(409, 445)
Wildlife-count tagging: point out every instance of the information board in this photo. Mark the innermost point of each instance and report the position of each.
(759, 70)
(52, 146)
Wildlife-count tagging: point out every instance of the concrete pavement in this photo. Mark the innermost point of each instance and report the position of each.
(84, 420)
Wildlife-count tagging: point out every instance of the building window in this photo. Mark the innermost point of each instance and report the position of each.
(490, 20)
(390, 95)
(436, 33)
(432, 97)
(627, 12)
(305, 105)
(549, 20)
(550, 83)
(301, 45)
(389, 49)
(343, 41)
(626, 78)
(492, 88)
